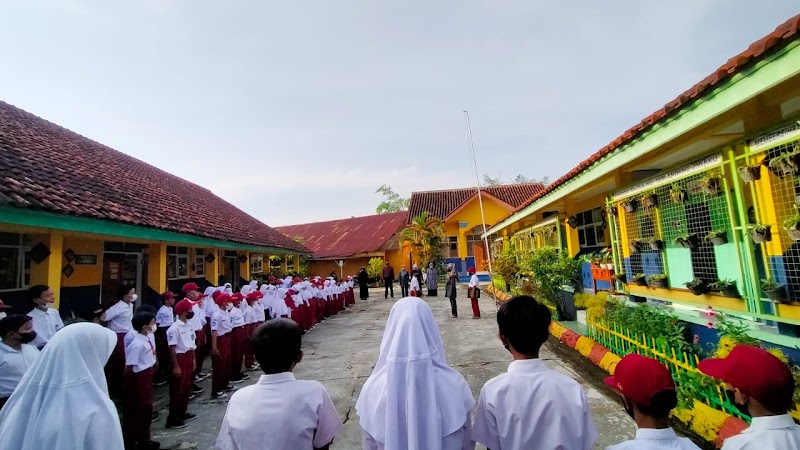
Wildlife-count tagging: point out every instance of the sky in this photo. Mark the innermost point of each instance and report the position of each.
(298, 111)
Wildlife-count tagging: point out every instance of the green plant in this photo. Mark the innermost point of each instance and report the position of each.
(375, 267)
(645, 321)
(734, 330)
(505, 265)
(581, 299)
(659, 277)
(758, 228)
(692, 385)
(792, 222)
(551, 269)
(638, 276)
(677, 193)
(423, 236)
(723, 284)
(769, 285)
(716, 233)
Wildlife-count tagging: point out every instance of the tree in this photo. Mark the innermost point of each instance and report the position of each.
(551, 269)
(423, 237)
(489, 181)
(375, 267)
(505, 266)
(519, 179)
(392, 202)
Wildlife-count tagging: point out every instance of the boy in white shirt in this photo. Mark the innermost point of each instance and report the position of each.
(165, 317)
(648, 395)
(46, 319)
(763, 384)
(279, 412)
(17, 352)
(531, 406)
(474, 293)
(140, 359)
(220, 345)
(181, 340)
(250, 328)
(238, 336)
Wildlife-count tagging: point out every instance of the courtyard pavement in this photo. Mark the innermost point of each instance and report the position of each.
(341, 352)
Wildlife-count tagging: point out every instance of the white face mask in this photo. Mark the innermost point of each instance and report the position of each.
(134, 297)
(152, 328)
(50, 304)
(229, 307)
(2, 315)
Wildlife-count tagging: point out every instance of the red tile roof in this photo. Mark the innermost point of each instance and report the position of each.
(49, 168)
(443, 203)
(347, 237)
(784, 34)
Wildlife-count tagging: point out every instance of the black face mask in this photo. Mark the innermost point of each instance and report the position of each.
(189, 315)
(742, 408)
(27, 338)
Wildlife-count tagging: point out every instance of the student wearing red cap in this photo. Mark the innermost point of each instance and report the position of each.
(140, 359)
(250, 328)
(238, 336)
(198, 323)
(181, 340)
(763, 385)
(474, 293)
(165, 317)
(220, 345)
(531, 406)
(648, 395)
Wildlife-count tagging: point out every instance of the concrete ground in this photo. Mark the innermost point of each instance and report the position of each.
(341, 352)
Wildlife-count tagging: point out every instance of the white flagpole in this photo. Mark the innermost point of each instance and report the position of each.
(480, 202)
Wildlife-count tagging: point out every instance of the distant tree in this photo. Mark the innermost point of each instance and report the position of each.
(392, 202)
(519, 179)
(489, 181)
(423, 237)
(375, 267)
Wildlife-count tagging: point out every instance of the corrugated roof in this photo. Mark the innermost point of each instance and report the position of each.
(46, 167)
(442, 203)
(347, 237)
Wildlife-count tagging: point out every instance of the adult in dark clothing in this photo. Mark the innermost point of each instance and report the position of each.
(432, 280)
(404, 278)
(388, 280)
(363, 284)
(415, 272)
(450, 290)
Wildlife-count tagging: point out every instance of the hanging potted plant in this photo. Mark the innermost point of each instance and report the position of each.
(655, 243)
(620, 277)
(630, 206)
(791, 225)
(687, 241)
(659, 281)
(784, 164)
(709, 184)
(649, 200)
(640, 279)
(612, 210)
(759, 233)
(677, 194)
(634, 245)
(775, 291)
(749, 173)
(717, 237)
(697, 286)
(726, 287)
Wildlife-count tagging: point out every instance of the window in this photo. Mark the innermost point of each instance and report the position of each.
(15, 261)
(200, 261)
(591, 229)
(275, 264)
(472, 239)
(256, 264)
(177, 262)
(450, 247)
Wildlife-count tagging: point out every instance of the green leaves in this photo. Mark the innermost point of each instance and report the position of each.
(393, 201)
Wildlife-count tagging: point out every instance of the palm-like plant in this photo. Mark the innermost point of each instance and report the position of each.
(424, 237)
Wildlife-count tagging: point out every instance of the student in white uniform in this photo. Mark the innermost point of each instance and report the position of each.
(140, 359)
(279, 412)
(763, 385)
(431, 409)
(181, 340)
(118, 318)
(16, 352)
(46, 320)
(531, 406)
(648, 395)
(165, 317)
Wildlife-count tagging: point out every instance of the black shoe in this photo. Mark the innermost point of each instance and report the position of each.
(155, 416)
(197, 389)
(192, 396)
(189, 417)
(160, 382)
(218, 395)
(229, 388)
(176, 424)
(236, 380)
(197, 379)
(152, 445)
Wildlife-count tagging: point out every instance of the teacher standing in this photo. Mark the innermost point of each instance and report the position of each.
(363, 284)
(432, 280)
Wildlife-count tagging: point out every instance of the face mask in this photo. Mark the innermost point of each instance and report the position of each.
(742, 408)
(189, 315)
(2, 315)
(28, 337)
(152, 328)
(228, 307)
(50, 305)
(134, 297)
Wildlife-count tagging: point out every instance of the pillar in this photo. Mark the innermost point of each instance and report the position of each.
(284, 265)
(212, 268)
(244, 267)
(157, 267)
(48, 272)
(297, 263)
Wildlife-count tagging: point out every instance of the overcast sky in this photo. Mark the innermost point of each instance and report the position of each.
(297, 111)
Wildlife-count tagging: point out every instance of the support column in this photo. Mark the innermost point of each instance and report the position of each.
(297, 263)
(284, 265)
(212, 268)
(244, 267)
(48, 272)
(157, 267)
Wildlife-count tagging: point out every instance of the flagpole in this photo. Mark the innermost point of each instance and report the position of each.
(480, 202)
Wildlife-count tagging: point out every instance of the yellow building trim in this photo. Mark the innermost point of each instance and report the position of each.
(212, 268)
(157, 266)
(48, 272)
(684, 296)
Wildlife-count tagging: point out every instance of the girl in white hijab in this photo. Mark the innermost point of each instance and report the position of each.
(413, 400)
(62, 401)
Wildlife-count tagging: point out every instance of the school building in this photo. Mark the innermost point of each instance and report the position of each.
(84, 219)
(704, 190)
(351, 242)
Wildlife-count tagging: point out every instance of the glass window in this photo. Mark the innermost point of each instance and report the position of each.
(200, 261)
(256, 264)
(15, 261)
(177, 262)
(591, 232)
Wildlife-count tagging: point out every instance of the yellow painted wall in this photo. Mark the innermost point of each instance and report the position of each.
(471, 214)
(48, 272)
(84, 275)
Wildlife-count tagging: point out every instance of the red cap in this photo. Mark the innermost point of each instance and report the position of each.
(755, 372)
(168, 294)
(278, 282)
(296, 280)
(189, 287)
(253, 296)
(216, 294)
(291, 292)
(236, 297)
(222, 298)
(471, 270)
(259, 294)
(183, 306)
(639, 379)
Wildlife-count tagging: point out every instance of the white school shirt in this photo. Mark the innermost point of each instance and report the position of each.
(653, 439)
(198, 321)
(165, 317)
(414, 285)
(181, 335)
(45, 324)
(13, 365)
(119, 317)
(258, 310)
(473, 282)
(772, 432)
(531, 406)
(459, 440)
(250, 315)
(278, 413)
(130, 335)
(221, 322)
(236, 317)
(140, 353)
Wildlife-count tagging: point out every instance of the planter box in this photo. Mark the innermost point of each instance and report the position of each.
(657, 245)
(630, 206)
(678, 197)
(700, 289)
(732, 292)
(719, 239)
(648, 201)
(778, 295)
(760, 238)
(641, 281)
(794, 234)
(664, 284)
(749, 173)
(690, 242)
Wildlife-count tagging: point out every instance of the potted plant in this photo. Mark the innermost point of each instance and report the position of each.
(726, 287)
(649, 200)
(630, 206)
(709, 184)
(717, 237)
(775, 291)
(659, 281)
(687, 241)
(620, 277)
(655, 243)
(791, 226)
(759, 233)
(612, 210)
(640, 279)
(697, 286)
(634, 245)
(784, 164)
(749, 173)
(677, 194)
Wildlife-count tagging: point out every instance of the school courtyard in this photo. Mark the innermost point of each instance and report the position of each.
(341, 352)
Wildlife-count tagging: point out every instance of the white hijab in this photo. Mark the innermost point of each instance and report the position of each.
(62, 401)
(413, 399)
(208, 301)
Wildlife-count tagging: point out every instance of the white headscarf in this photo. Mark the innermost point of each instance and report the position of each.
(62, 401)
(413, 399)
(227, 288)
(208, 302)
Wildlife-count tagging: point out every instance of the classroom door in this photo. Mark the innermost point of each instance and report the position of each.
(119, 269)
